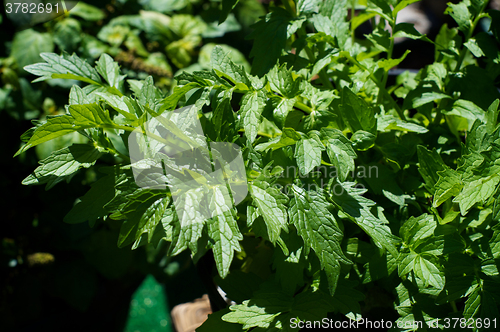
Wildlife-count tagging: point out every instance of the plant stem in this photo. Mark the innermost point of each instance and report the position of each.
(310, 54)
(147, 133)
(454, 306)
(379, 85)
(303, 107)
(442, 104)
(260, 133)
(353, 12)
(437, 119)
(389, 57)
(290, 7)
(473, 26)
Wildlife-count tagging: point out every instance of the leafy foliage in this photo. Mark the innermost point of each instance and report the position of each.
(354, 184)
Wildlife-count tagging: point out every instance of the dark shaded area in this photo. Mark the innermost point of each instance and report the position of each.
(60, 277)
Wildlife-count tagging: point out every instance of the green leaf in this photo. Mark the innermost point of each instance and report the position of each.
(252, 105)
(382, 8)
(269, 35)
(476, 191)
(62, 164)
(67, 34)
(261, 310)
(227, 7)
(381, 39)
(110, 71)
(415, 230)
(270, 204)
(223, 119)
(308, 6)
(473, 303)
(285, 81)
(91, 205)
(288, 137)
(401, 5)
(152, 220)
(78, 96)
(407, 30)
(114, 34)
(334, 26)
(350, 200)
(481, 302)
(307, 306)
(205, 57)
(64, 66)
(215, 322)
(87, 12)
(290, 267)
(123, 105)
(357, 113)
(188, 230)
(492, 116)
(170, 102)
(54, 127)
(282, 108)
(222, 64)
(223, 230)
(143, 210)
(332, 20)
(490, 164)
(340, 151)
(428, 272)
(430, 163)
(460, 13)
(467, 110)
(422, 96)
(149, 94)
(308, 152)
(388, 64)
(165, 6)
(449, 185)
(357, 20)
(390, 122)
(89, 115)
(270, 309)
(384, 183)
(133, 200)
(474, 48)
(475, 6)
(215, 30)
(29, 45)
(310, 213)
(363, 140)
(346, 299)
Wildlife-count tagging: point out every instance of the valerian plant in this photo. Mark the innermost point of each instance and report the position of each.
(363, 193)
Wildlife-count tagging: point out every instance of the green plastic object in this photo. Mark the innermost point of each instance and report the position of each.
(149, 311)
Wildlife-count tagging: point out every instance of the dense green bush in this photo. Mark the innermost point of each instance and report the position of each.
(83, 271)
(368, 198)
